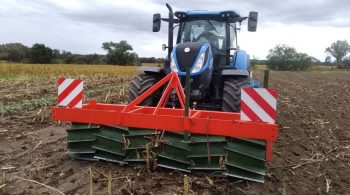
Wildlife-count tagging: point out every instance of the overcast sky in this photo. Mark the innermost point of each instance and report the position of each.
(80, 26)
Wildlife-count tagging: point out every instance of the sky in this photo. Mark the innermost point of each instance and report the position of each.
(80, 26)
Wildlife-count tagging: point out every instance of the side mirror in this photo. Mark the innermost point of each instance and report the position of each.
(156, 22)
(252, 21)
(164, 47)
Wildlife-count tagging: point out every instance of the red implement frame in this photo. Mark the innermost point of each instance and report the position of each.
(169, 119)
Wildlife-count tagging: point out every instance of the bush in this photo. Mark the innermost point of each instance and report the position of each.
(120, 53)
(254, 62)
(345, 64)
(284, 57)
(339, 50)
(40, 54)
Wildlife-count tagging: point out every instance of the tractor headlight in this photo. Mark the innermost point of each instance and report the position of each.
(199, 65)
(173, 66)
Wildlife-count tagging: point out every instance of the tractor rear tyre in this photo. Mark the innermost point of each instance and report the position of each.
(231, 99)
(140, 84)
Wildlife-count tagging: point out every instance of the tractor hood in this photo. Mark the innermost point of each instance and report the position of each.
(194, 55)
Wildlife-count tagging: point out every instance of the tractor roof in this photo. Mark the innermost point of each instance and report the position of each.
(197, 14)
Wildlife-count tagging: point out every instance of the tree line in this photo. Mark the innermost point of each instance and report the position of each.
(118, 53)
(283, 57)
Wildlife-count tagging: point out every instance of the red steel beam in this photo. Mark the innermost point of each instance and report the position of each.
(202, 122)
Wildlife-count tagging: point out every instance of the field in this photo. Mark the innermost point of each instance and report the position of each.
(311, 156)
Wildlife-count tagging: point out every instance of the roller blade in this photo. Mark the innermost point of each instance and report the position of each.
(245, 159)
(136, 142)
(207, 152)
(172, 150)
(110, 143)
(80, 139)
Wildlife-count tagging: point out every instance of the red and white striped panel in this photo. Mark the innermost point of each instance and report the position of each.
(258, 104)
(70, 93)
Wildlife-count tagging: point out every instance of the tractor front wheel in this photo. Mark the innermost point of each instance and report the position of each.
(231, 99)
(140, 84)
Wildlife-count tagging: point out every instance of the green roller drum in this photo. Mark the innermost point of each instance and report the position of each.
(233, 157)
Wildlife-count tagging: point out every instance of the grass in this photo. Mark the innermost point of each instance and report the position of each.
(18, 106)
(27, 104)
(323, 68)
(41, 71)
(46, 71)
(316, 67)
(152, 64)
(260, 67)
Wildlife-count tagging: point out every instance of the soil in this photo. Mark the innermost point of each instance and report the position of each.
(311, 156)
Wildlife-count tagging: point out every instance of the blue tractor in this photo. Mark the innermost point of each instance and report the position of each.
(207, 47)
(213, 70)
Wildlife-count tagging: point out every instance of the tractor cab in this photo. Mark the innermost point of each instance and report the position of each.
(209, 27)
(218, 28)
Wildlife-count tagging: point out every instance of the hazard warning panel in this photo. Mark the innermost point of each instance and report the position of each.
(258, 104)
(70, 93)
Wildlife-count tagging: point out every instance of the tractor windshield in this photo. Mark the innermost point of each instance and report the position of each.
(211, 31)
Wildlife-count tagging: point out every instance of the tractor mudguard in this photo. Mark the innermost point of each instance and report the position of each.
(241, 61)
(235, 72)
(150, 69)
